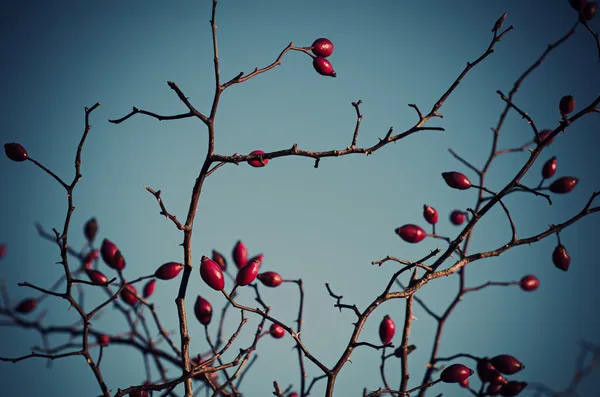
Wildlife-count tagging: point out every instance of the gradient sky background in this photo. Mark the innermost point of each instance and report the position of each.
(324, 224)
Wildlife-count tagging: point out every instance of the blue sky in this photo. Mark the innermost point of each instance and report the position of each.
(321, 225)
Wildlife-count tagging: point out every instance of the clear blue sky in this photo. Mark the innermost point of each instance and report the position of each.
(324, 224)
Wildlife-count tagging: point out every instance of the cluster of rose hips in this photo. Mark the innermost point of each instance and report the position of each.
(587, 10)
(491, 371)
(322, 48)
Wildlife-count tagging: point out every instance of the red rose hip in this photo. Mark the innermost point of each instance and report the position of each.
(387, 329)
(258, 162)
(203, 310)
(240, 255)
(276, 331)
(549, 168)
(493, 390)
(323, 67)
(258, 258)
(168, 271)
(26, 306)
(103, 340)
(455, 373)
(589, 11)
(149, 289)
(111, 255)
(512, 388)
(129, 295)
(430, 214)
(411, 233)
(485, 369)
(211, 273)
(563, 184)
(248, 273)
(544, 137)
(2, 250)
(457, 217)
(97, 277)
(561, 258)
(270, 279)
(90, 229)
(15, 151)
(456, 180)
(507, 364)
(220, 259)
(529, 283)
(322, 47)
(566, 104)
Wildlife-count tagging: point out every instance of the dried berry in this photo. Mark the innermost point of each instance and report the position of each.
(15, 151)
(323, 67)
(411, 233)
(203, 310)
(387, 329)
(455, 373)
(456, 180)
(90, 229)
(270, 279)
(529, 283)
(430, 214)
(211, 273)
(97, 277)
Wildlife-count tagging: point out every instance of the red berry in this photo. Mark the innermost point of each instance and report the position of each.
(512, 388)
(561, 258)
(248, 273)
(457, 217)
(455, 373)
(203, 310)
(549, 168)
(15, 151)
(430, 214)
(543, 136)
(2, 250)
(411, 233)
(563, 184)
(128, 294)
(485, 369)
(90, 229)
(566, 104)
(258, 162)
(456, 180)
(112, 255)
(322, 47)
(387, 329)
(496, 378)
(26, 306)
(240, 255)
(323, 67)
(270, 279)
(258, 258)
(464, 383)
(211, 273)
(168, 271)
(529, 283)
(103, 340)
(493, 390)
(293, 394)
(91, 256)
(589, 11)
(577, 4)
(149, 289)
(276, 331)
(507, 364)
(97, 277)
(220, 259)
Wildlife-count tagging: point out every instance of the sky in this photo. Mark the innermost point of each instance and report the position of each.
(320, 225)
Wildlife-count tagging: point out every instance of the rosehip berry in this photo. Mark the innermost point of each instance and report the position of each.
(493, 390)
(203, 310)
(577, 4)
(211, 273)
(512, 388)
(543, 137)
(455, 373)
(430, 214)
(276, 331)
(496, 378)
(220, 259)
(270, 279)
(549, 168)
(529, 283)
(149, 289)
(26, 306)
(258, 258)
(563, 184)
(112, 255)
(323, 67)
(566, 104)
(2, 250)
(507, 364)
(561, 258)
(258, 162)
(457, 217)
(411, 233)
(103, 340)
(15, 151)
(129, 295)
(168, 271)
(456, 180)
(91, 256)
(240, 255)
(322, 47)
(464, 383)
(484, 369)
(293, 394)
(248, 273)
(387, 329)
(90, 229)
(97, 277)
(589, 11)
